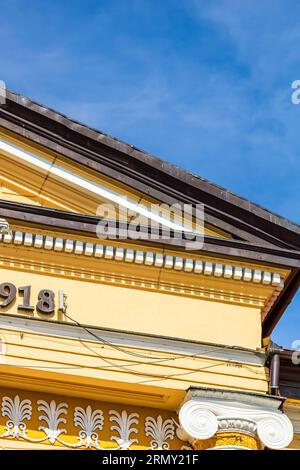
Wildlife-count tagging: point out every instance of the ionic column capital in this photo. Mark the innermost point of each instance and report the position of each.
(203, 417)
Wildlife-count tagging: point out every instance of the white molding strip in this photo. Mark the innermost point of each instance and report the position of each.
(134, 340)
(14, 151)
(146, 258)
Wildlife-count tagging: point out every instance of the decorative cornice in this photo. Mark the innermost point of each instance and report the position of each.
(103, 274)
(270, 302)
(143, 257)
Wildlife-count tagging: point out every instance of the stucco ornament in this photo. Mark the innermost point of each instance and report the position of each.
(89, 421)
(276, 432)
(17, 411)
(124, 428)
(202, 419)
(198, 421)
(161, 430)
(245, 426)
(53, 418)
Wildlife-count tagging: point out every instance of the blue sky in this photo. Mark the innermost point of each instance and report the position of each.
(203, 84)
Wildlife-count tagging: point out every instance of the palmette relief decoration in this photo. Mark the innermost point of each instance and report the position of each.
(17, 411)
(53, 417)
(89, 421)
(124, 428)
(161, 430)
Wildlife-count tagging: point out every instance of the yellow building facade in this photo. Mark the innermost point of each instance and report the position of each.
(132, 343)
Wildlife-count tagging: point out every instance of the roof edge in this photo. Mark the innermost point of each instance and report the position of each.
(163, 166)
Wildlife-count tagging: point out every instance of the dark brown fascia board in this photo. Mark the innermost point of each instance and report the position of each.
(290, 390)
(286, 296)
(286, 355)
(148, 174)
(138, 182)
(287, 364)
(289, 379)
(86, 225)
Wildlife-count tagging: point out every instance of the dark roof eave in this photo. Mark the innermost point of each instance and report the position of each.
(86, 225)
(189, 185)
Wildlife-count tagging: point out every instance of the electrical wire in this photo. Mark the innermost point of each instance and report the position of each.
(166, 377)
(108, 343)
(125, 367)
(158, 378)
(120, 349)
(157, 361)
(114, 365)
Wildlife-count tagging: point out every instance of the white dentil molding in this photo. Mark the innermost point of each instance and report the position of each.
(127, 254)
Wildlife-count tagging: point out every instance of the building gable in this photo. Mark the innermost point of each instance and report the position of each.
(72, 166)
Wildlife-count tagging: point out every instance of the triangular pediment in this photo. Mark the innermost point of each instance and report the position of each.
(80, 167)
(30, 175)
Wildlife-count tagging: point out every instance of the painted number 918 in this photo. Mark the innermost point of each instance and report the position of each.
(45, 303)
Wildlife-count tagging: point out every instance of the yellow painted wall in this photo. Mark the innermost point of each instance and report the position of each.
(146, 312)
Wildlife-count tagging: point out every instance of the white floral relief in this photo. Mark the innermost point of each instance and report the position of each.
(89, 421)
(53, 418)
(124, 428)
(17, 411)
(160, 430)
